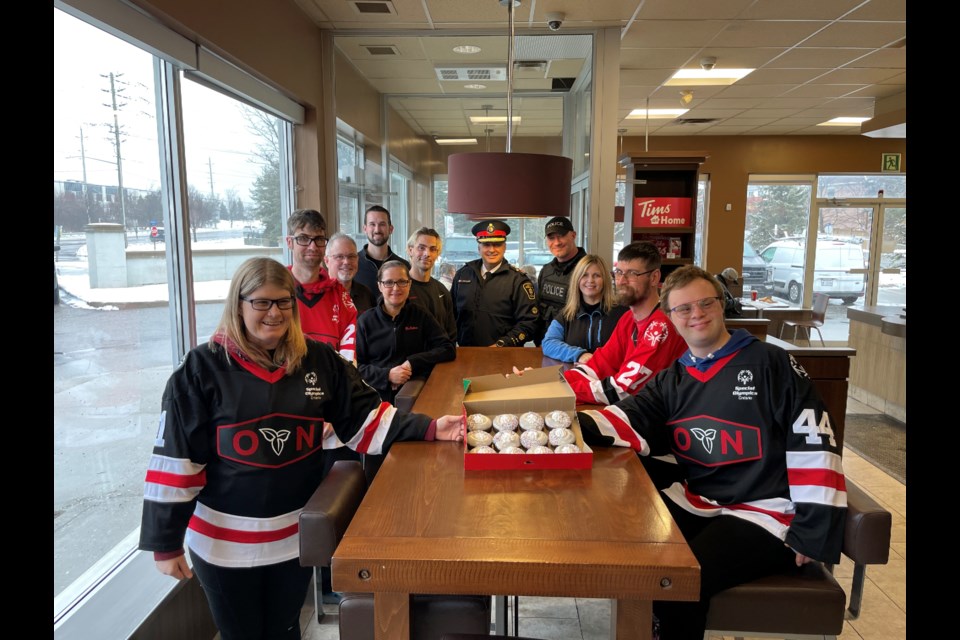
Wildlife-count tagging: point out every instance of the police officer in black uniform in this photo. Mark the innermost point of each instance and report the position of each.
(554, 279)
(494, 302)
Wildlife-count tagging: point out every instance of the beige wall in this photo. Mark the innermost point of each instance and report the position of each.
(733, 158)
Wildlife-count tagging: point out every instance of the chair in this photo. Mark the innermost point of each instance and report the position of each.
(817, 316)
(323, 522)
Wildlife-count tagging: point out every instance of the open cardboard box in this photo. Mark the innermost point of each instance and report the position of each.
(541, 390)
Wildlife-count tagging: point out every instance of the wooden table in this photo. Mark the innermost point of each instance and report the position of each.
(428, 526)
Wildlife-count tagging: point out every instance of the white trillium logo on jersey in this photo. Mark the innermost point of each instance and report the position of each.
(310, 378)
(276, 438)
(706, 437)
(745, 377)
(656, 333)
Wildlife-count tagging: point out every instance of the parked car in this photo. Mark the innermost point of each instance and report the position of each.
(459, 250)
(537, 259)
(512, 253)
(839, 269)
(754, 270)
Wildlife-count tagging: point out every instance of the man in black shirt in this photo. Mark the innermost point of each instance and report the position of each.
(424, 247)
(378, 227)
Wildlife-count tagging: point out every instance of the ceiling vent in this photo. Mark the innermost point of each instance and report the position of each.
(562, 84)
(695, 120)
(381, 49)
(365, 7)
(472, 73)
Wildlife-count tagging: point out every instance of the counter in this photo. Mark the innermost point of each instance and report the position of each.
(878, 375)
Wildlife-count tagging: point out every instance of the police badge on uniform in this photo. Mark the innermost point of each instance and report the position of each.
(528, 287)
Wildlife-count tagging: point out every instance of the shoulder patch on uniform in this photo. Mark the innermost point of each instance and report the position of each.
(528, 287)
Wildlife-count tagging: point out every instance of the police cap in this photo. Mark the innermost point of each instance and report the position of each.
(491, 231)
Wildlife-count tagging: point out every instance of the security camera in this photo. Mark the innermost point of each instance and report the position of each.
(555, 20)
(708, 63)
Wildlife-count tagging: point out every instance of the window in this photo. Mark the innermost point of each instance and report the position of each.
(121, 322)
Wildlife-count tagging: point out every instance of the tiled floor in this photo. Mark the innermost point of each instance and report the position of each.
(884, 609)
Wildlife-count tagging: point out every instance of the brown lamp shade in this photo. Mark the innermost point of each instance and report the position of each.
(508, 185)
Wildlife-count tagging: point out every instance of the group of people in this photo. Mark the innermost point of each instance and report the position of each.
(307, 359)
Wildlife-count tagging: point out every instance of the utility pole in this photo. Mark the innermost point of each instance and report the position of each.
(116, 143)
(210, 175)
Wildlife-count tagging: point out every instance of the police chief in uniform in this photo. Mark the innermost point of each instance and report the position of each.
(494, 303)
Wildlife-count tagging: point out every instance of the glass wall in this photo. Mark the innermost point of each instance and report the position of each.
(116, 340)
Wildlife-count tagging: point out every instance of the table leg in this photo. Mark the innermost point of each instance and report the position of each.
(391, 616)
(500, 615)
(631, 620)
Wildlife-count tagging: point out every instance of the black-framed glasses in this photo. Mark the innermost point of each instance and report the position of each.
(390, 284)
(684, 310)
(304, 241)
(264, 304)
(629, 273)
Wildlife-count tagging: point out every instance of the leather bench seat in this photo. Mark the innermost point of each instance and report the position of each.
(430, 616)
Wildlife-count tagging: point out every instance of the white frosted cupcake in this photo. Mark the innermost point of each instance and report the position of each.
(506, 439)
(506, 422)
(567, 448)
(512, 450)
(540, 449)
(530, 439)
(531, 420)
(479, 438)
(483, 449)
(478, 422)
(558, 420)
(561, 436)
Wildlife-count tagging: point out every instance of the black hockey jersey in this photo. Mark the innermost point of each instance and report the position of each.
(238, 451)
(754, 437)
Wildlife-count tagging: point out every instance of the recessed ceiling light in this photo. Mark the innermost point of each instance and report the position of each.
(656, 113)
(467, 48)
(474, 86)
(492, 119)
(455, 140)
(843, 122)
(706, 77)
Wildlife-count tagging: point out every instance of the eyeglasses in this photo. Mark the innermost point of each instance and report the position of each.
(684, 310)
(390, 284)
(629, 273)
(264, 304)
(340, 257)
(304, 241)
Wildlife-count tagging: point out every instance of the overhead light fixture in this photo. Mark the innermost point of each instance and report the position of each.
(467, 49)
(508, 185)
(455, 140)
(706, 75)
(686, 97)
(843, 122)
(637, 114)
(474, 86)
(492, 119)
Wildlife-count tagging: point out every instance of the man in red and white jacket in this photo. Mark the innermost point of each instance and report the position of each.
(327, 312)
(643, 342)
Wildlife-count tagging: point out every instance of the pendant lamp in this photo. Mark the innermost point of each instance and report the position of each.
(508, 185)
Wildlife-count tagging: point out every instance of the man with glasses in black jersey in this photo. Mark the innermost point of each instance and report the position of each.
(327, 312)
(761, 487)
